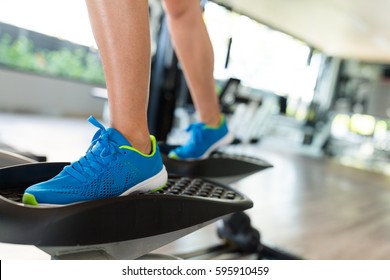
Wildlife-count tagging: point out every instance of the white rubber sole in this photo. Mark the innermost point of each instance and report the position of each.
(156, 182)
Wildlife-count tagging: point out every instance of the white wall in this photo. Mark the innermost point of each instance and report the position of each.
(23, 92)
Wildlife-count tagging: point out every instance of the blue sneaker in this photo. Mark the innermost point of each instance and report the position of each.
(110, 168)
(203, 141)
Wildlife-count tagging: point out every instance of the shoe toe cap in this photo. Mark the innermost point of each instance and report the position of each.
(46, 193)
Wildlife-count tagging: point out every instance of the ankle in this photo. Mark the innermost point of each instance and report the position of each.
(140, 142)
(139, 139)
(143, 146)
(213, 121)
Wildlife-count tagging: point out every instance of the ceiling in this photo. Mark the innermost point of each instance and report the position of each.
(357, 29)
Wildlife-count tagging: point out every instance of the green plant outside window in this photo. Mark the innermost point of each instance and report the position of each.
(78, 64)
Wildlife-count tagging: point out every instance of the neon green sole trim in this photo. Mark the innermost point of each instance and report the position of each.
(173, 156)
(159, 188)
(29, 199)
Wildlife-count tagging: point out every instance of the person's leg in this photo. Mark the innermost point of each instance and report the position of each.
(194, 50)
(123, 158)
(121, 30)
(193, 47)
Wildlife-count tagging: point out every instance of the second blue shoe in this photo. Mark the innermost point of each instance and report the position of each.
(203, 141)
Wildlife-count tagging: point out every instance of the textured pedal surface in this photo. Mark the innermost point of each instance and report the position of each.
(14, 195)
(198, 188)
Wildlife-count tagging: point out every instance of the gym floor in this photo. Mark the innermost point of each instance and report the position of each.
(311, 207)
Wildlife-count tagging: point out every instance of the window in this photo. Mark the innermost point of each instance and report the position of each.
(34, 39)
(262, 58)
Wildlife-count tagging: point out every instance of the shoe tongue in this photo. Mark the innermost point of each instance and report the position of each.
(117, 137)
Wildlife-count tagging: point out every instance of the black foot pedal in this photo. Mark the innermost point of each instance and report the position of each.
(184, 203)
(8, 158)
(219, 165)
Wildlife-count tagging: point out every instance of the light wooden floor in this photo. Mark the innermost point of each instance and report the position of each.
(312, 207)
(319, 209)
